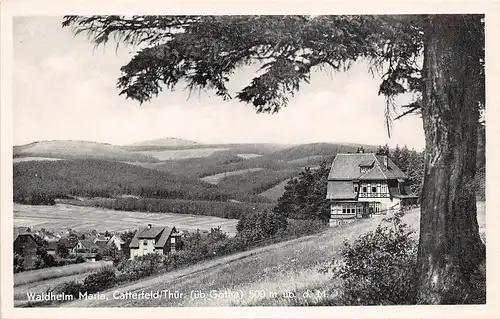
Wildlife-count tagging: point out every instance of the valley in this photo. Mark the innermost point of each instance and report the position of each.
(62, 217)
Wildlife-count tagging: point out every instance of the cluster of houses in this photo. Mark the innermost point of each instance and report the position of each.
(159, 240)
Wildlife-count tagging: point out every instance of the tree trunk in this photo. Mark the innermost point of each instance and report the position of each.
(450, 248)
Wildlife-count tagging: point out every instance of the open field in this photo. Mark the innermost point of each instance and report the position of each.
(61, 217)
(286, 266)
(274, 193)
(34, 158)
(215, 179)
(248, 155)
(166, 155)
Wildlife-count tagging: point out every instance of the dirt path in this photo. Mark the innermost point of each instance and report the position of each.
(189, 278)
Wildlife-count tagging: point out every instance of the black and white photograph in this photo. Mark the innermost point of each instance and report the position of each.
(248, 160)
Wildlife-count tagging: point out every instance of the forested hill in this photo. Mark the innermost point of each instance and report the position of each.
(66, 149)
(99, 178)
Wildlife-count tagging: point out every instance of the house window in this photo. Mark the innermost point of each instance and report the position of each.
(145, 242)
(355, 188)
(374, 189)
(172, 240)
(364, 189)
(383, 189)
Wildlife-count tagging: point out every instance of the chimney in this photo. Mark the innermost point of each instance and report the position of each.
(385, 161)
(149, 226)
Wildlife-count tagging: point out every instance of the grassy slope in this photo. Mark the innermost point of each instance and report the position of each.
(275, 192)
(79, 150)
(256, 182)
(287, 266)
(34, 276)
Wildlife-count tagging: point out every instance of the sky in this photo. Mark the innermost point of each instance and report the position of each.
(65, 89)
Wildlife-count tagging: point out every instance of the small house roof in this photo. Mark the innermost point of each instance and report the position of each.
(69, 242)
(117, 239)
(52, 245)
(101, 243)
(88, 244)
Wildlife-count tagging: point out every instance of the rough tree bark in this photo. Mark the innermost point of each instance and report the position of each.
(450, 248)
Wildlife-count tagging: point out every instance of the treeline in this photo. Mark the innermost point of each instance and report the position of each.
(178, 206)
(305, 196)
(40, 182)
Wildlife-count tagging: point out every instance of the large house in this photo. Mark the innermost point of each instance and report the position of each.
(360, 184)
(159, 240)
(25, 245)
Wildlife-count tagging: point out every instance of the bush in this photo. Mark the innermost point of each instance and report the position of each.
(140, 267)
(18, 263)
(79, 260)
(261, 225)
(378, 268)
(70, 288)
(100, 280)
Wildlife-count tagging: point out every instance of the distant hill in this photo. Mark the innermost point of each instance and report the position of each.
(167, 141)
(65, 149)
(314, 151)
(242, 148)
(98, 178)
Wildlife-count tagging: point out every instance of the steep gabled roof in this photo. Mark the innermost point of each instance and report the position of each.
(21, 231)
(151, 233)
(164, 237)
(346, 167)
(340, 190)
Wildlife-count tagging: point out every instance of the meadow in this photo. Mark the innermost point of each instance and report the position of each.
(167, 155)
(288, 266)
(61, 217)
(275, 192)
(34, 276)
(215, 179)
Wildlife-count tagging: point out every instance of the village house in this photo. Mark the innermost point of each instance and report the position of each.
(26, 246)
(361, 184)
(72, 244)
(116, 241)
(159, 240)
